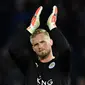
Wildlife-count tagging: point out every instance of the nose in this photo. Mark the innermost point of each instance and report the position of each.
(40, 46)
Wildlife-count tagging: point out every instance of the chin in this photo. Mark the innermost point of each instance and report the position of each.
(42, 57)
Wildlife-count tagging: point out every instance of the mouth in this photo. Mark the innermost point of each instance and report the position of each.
(41, 50)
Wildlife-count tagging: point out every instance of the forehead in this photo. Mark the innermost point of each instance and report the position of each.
(40, 37)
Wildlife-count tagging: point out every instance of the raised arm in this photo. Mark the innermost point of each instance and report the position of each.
(60, 42)
(23, 56)
(61, 46)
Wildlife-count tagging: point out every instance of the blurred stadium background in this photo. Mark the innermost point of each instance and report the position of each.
(15, 16)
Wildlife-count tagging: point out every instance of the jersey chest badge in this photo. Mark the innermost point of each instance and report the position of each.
(51, 65)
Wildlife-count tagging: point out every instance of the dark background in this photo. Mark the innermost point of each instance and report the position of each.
(15, 16)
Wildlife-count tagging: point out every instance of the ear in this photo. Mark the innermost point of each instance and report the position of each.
(33, 48)
(51, 42)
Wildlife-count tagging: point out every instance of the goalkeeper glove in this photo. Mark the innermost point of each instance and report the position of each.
(51, 22)
(35, 22)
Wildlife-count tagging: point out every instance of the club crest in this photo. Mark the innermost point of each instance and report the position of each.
(52, 65)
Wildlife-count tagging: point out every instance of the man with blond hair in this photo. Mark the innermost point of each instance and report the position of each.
(48, 68)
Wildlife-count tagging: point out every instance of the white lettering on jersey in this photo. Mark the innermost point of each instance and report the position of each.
(42, 82)
(39, 80)
(50, 82)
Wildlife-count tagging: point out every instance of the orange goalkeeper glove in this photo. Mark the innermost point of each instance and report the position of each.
(51, 22)
(35, 22)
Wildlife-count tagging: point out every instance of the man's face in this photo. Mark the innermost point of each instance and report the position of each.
(42, 45)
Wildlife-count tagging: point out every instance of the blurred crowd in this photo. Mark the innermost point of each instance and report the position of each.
(15, 16)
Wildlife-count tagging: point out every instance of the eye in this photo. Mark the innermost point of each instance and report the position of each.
(42, 41)
(35, 44)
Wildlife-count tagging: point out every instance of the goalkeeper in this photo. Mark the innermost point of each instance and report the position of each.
(47, 68)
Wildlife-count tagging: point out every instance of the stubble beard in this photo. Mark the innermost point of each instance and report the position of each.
(43, 55)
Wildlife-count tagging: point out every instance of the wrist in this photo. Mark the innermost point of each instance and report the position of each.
(31, 29)
(52, 26)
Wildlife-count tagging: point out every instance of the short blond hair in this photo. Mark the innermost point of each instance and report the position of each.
(39, 31)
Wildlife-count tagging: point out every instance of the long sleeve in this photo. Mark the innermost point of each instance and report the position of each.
(61, 46)
(60, 42)
(20, 51)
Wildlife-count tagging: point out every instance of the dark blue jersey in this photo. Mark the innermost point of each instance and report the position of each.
(55, 72)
